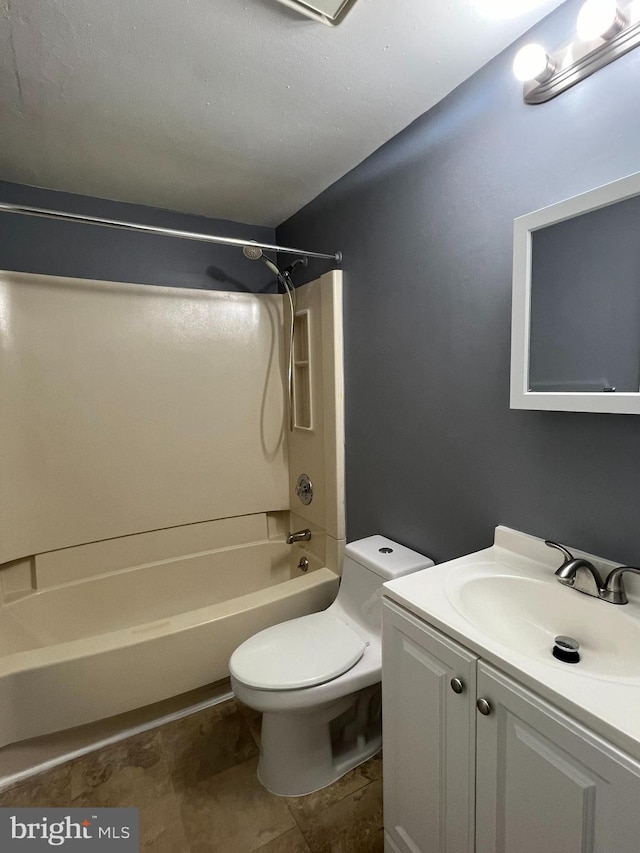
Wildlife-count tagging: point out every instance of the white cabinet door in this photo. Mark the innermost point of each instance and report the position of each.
(428, 738)
(546, 784)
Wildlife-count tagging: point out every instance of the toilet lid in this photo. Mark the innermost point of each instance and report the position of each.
(299, 653)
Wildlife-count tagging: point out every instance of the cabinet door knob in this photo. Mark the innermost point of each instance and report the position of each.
(457, 685)
(484, 707)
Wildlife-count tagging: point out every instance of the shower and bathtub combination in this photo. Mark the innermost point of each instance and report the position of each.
(150, 468)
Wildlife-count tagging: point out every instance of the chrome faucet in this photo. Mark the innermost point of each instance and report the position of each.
(581, 575)
(299, 536)
(577, 573)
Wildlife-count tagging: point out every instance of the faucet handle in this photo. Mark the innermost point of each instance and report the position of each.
(614, 591)
(567, 554)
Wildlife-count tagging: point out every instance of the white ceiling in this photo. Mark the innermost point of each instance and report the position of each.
(238, 109)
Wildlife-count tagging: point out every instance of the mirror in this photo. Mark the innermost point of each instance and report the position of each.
(576, 303)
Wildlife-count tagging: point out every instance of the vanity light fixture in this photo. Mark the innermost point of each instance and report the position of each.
(533, 62)
(600, 19)
(605, 30)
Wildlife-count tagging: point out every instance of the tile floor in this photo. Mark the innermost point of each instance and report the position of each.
(194, 782)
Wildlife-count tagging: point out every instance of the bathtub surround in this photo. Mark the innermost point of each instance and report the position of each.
(435, 456)
(317, 447)
(160, 369)
(132, 393)
(146, 497)
(194, 783)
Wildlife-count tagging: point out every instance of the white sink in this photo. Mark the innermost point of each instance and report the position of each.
(506, 605)
(525, 613)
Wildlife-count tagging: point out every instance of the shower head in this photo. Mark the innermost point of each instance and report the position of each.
(254, 253)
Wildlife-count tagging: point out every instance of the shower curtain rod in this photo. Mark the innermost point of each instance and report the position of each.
(153, 229)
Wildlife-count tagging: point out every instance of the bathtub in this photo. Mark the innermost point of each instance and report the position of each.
(90, 649)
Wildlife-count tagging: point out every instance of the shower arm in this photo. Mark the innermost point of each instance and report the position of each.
(44, 213)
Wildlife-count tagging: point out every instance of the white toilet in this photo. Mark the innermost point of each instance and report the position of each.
(316, 679)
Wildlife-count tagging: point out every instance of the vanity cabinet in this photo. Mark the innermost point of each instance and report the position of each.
(522, 778)
(429, 738)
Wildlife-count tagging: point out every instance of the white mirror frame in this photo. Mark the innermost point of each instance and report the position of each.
(627, 403)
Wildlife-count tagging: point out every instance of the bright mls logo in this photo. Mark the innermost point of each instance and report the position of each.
(104, 830)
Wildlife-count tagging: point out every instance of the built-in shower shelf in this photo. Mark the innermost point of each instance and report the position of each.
(302, 372)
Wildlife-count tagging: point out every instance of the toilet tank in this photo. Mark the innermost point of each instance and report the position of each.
(368, 563)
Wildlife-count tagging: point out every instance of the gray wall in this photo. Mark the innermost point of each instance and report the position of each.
(45, 246)
(435, 457)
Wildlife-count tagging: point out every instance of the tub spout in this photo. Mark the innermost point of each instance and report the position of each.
(299, 536)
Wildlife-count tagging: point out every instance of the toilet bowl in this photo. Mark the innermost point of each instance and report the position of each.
(316, 679)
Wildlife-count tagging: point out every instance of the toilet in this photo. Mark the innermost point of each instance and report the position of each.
(316, 679)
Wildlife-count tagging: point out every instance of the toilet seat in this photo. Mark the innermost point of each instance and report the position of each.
(299, 653)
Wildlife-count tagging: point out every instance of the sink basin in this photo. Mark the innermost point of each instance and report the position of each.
(505, 606)
(525, 614)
